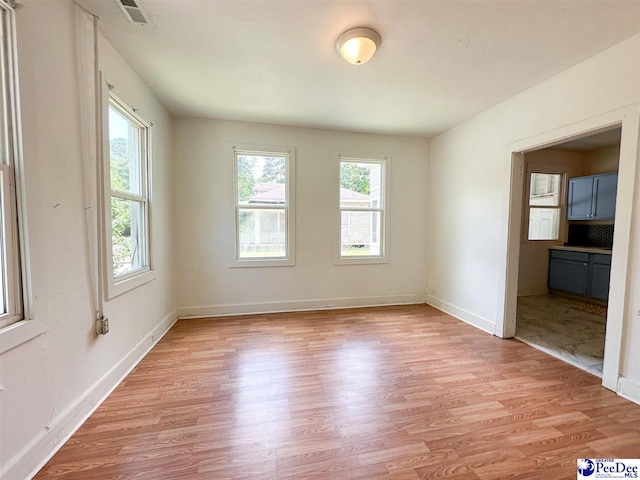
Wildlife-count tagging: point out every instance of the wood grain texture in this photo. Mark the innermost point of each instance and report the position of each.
(397, 393)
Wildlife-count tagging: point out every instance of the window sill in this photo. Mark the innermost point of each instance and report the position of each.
(361, 261)
(119, 287)
(263, 262)
(19, 333)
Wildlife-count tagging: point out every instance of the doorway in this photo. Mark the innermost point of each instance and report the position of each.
(628, 119)
(566, 254)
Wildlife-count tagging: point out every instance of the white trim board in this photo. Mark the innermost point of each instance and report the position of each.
(28, 461)
(629, 389)
(462, 314)
(296, 306)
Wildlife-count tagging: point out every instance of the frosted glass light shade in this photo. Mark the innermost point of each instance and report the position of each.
(358, 45)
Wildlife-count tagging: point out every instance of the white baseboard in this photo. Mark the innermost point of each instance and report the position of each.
(462, 314)
(27, 462)
(629, 389)
(296, 306)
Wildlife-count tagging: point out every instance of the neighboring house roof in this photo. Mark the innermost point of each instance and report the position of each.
(275, 193)
(351, 196)
(268, 193)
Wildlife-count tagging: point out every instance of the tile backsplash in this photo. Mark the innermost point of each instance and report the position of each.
(590, 235)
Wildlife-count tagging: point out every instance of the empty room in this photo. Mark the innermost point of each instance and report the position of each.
(264, 239)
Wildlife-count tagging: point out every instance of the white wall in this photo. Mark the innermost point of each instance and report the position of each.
(469, 174)
(204, 197)
(52, 381)
(601, 160)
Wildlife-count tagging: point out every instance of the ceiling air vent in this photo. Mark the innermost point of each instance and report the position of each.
(134, 11)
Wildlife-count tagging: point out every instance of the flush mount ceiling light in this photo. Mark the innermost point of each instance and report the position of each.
(358, 45)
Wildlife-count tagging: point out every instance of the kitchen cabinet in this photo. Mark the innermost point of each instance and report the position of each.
(579, 272)
(600, 272)
(592, 197)
(569, 271)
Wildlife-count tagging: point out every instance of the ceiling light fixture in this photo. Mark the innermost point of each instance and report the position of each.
(358, 45)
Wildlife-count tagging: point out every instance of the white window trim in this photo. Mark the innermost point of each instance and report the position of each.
(562, 227)
(290, 208)
(384, 257)
(24, 327)
(136, 278)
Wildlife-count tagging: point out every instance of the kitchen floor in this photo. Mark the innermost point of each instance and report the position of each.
(568, 329)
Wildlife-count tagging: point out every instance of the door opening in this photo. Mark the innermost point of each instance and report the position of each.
(566, 242)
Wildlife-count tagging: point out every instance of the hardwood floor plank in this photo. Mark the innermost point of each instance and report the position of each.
(388, 393)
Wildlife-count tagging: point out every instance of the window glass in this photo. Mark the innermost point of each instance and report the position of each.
(128, 164)
(361, 208)
(262, 204)
(544, 206)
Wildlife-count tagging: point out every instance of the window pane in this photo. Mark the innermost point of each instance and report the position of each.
(360, 184)
(125, 153)
(545, 189)
(262, 233)
(261, 180)
(360, 233)
(544, 223)
(128, 242)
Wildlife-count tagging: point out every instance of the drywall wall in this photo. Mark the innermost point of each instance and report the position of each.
(629, 384)
(469, 172)
(52, 381)
(534, 256)
(204, 195)
(601, 160)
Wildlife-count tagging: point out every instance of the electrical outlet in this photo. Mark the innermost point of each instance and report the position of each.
(102, 325)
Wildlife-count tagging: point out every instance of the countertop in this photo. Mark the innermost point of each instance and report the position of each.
(582, 249)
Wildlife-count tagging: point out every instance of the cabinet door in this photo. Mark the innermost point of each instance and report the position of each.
(568, 275)
(599, 281)
(580, 198)
(605, 188)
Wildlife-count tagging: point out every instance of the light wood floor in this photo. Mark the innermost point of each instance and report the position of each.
(382, 393)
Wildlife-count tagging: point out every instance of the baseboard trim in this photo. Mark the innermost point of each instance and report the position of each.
(462, 314)
(27, 462)
(629, 389)
(226, 310)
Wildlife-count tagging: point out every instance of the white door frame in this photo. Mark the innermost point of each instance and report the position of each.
(511, 223)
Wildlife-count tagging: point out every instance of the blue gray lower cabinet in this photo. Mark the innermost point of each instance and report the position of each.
(580, 273)
(599, 274)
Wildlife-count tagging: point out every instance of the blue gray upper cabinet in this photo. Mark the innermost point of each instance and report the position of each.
(592, 197)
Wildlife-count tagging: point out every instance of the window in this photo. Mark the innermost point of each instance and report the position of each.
(264, 207)
(362, 209)
(11, 307)
(544, 206)
(127, 203)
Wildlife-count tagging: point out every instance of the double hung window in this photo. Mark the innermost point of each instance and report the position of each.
(264, 207)
(544, 206)
(11, 301)
(362, 208)
(128, 194)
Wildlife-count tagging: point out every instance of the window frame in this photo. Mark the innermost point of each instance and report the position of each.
(562, 202)
(19, 326)
(289, 259)
(14, 254)
(385, 162)
(117, 285)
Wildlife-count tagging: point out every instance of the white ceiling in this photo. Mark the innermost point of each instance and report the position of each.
(440, 62)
